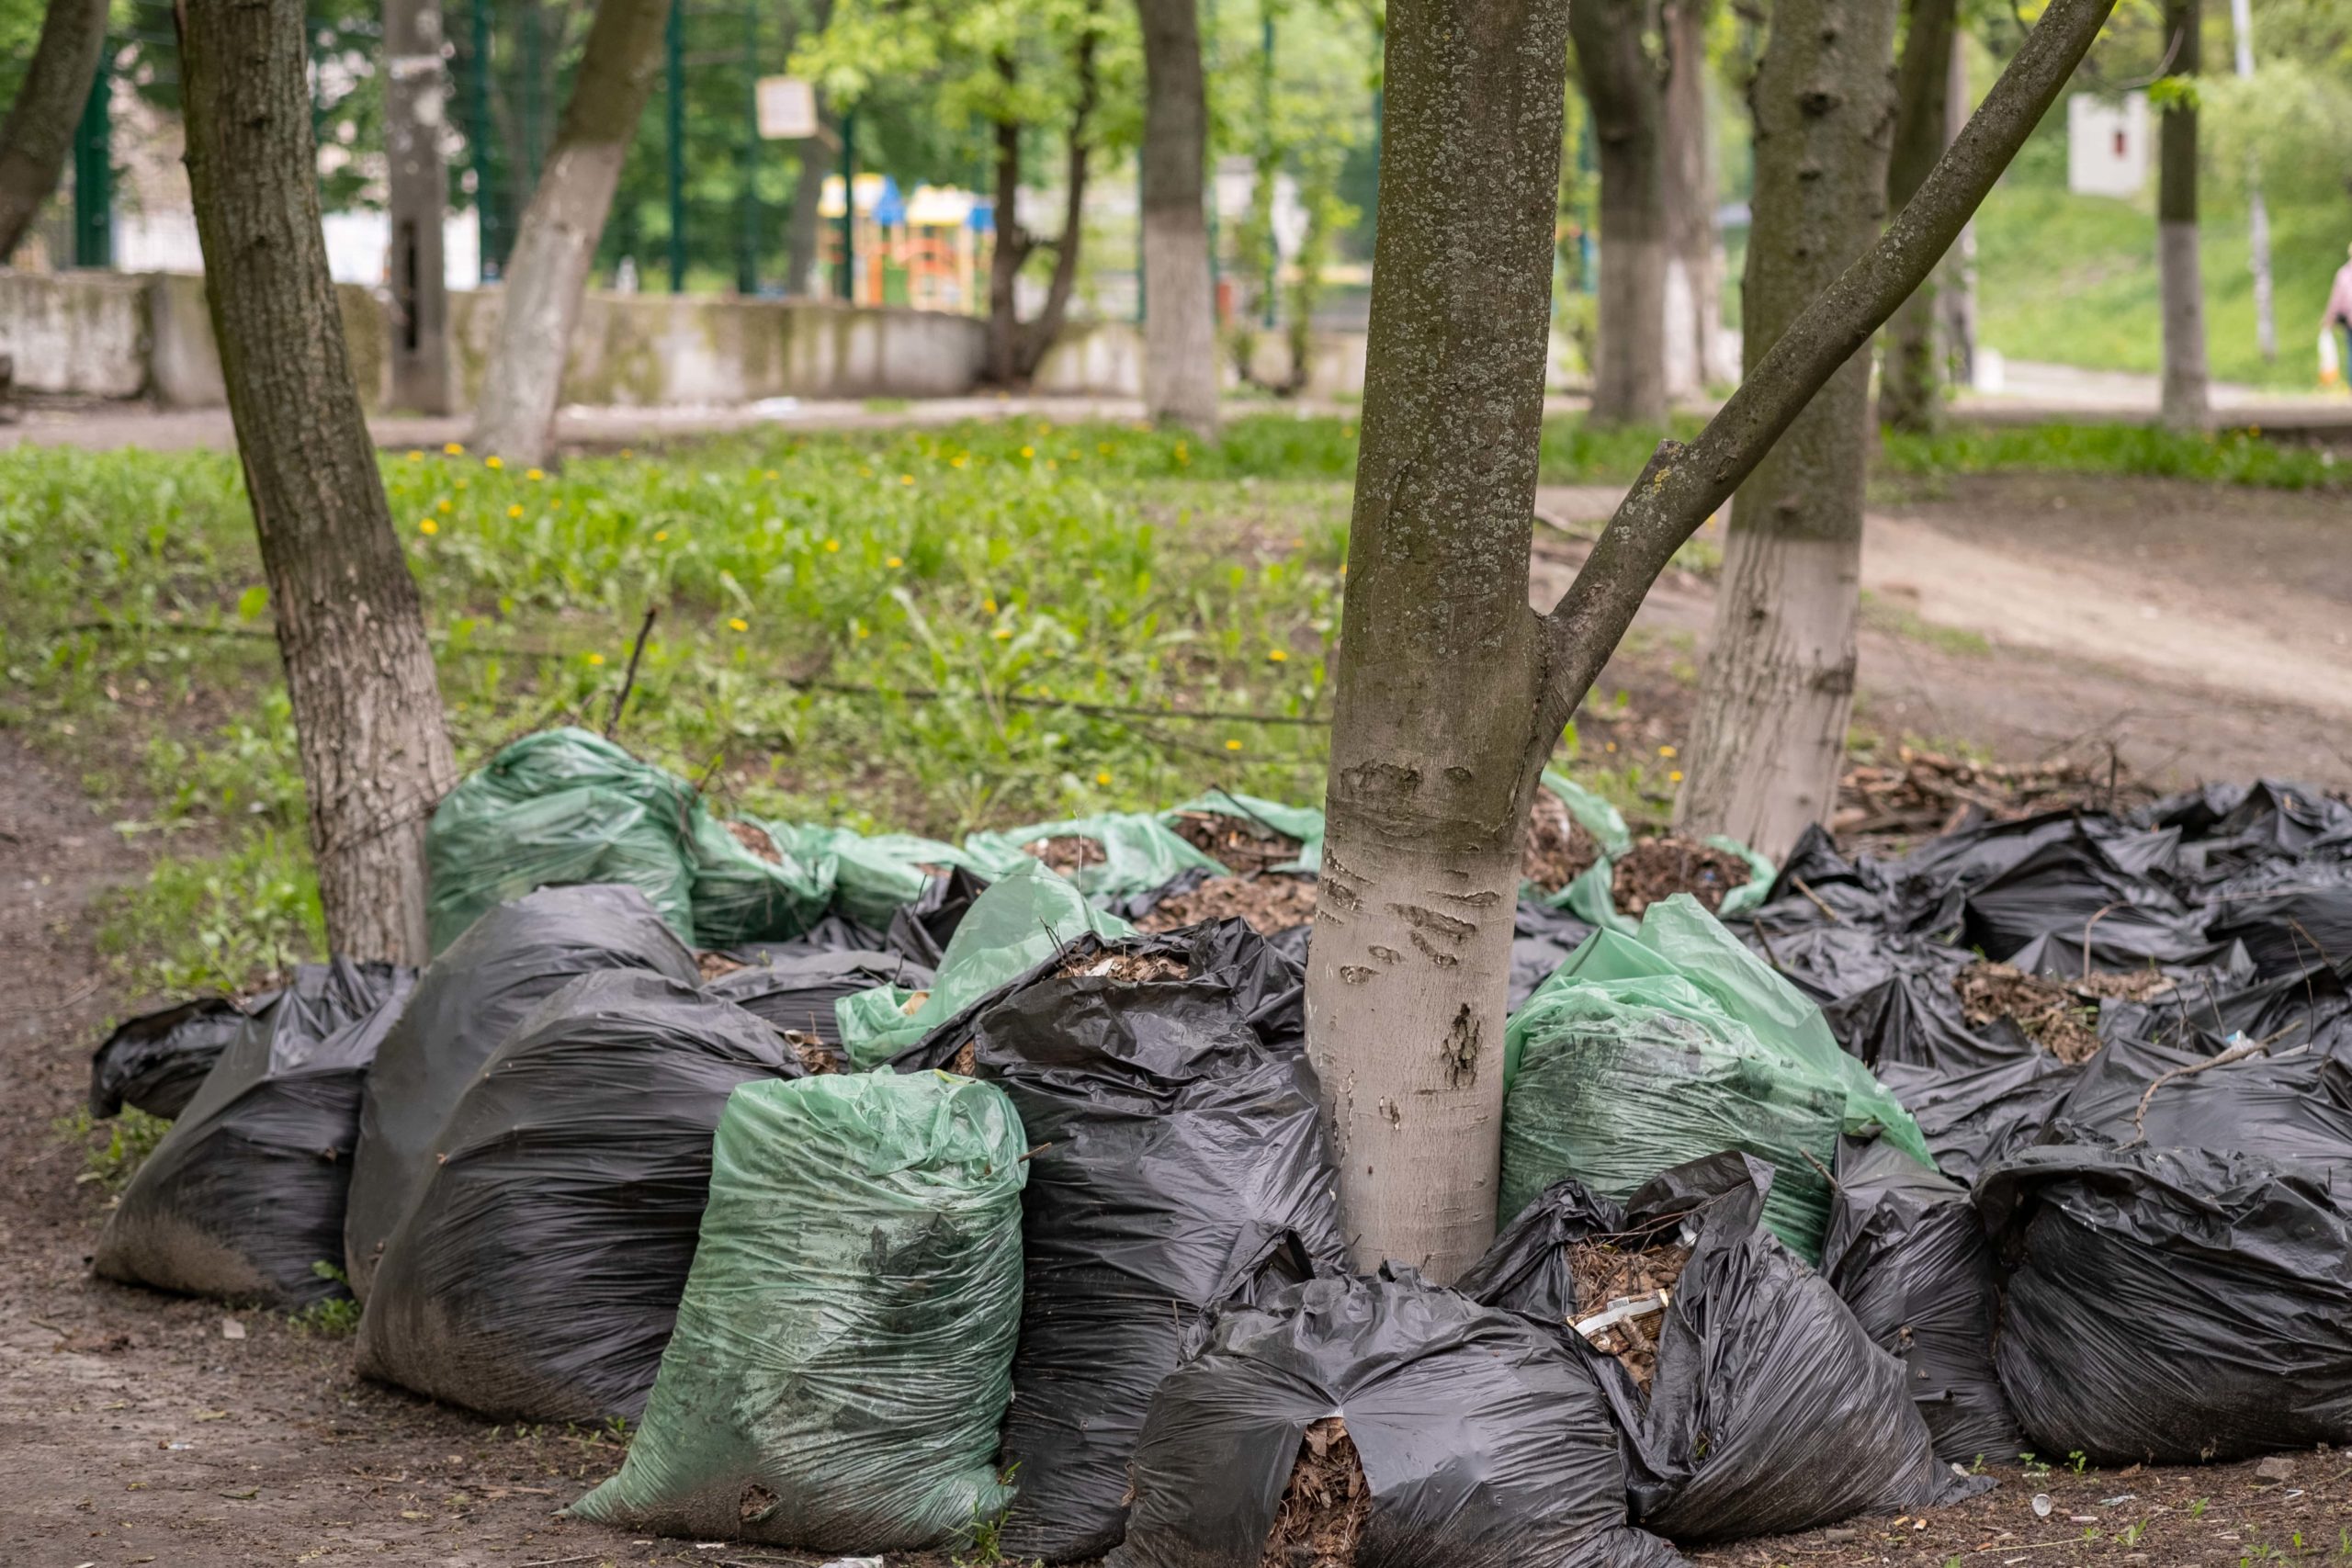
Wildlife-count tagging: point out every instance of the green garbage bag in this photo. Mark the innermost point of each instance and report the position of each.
(563, 805)
(1030, 914)
(1600, 818)
(1592, 897)
(742, 894)
(1123, 853)
(1256, 817)
(881, 872)
(1643, 1052)
(843, 1351)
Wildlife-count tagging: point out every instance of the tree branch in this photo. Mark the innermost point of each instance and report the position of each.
(1683, 484)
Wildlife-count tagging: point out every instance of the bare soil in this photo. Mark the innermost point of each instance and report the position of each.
(1658, 868)
(1324, 1505)
(1559, 848)
(1270, 903)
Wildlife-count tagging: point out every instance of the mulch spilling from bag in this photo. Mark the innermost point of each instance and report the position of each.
(1656, 869)
(1558, 850)
(713, 965)
(1135, 968)
(1068, 852)
(1235, 841)
(1325, 1505)
(755, 839)
(1270, 903)
(1604, 1276)
(2059, 1015)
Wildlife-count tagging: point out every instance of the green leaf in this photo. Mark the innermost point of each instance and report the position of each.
(251, 602)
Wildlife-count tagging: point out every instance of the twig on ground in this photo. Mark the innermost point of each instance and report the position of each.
(628, 681)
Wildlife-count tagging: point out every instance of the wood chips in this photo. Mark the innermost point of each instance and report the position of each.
(1135, 968)
(1558, 848)
(1235, 841)
(1658, 868)
(1605, 1274)
(1325, 1505)
(1270, 903)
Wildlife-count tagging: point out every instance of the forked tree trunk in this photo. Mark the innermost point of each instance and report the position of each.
(1016, 347)
(547, 272)
(1180, 370)
(39, 132)
(1779, 683)
(376, 757)
(1623, 85)
(2179, 279)
(1693, 284)
(1910, 389)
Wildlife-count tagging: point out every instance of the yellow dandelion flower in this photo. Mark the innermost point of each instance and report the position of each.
(1277, 655)
(428, 527)
(1665, 750)
(1609, 746)
(865, 473)
(595, 659)
(1051, 464)
(1102, 448)
(1028, 451)
(461, 484)
(441, 506)
(1003, 634)
(1103, 779)
(659, 535)
(990, 605)
(861, 631)
(514, 510)
(455, 448)
(1233, 745)
(958, 460)
(627, 452)
(416, 457)
(894, 561)
(535, 475)
(832, 546)
(737, 624)
(1674, 777)
(556, 505)
(906, 479)
(769, 474)
(493, 461)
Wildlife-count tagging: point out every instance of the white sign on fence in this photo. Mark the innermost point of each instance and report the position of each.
(787, 108)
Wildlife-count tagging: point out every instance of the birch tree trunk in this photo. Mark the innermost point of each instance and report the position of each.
(1623, 86)
(1179, 369)
(548, 271)
(376, 757)
(1693, 287)
(2179, 279)
(1910, 390)
(1779, 683)
(39, 132)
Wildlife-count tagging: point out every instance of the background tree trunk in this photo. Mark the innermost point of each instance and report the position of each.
(414, 92)
(1016, 347)
(39, 132)
(802, 231)
(1010, 251)
(1910, 390)
(1179, 369)
(1694, 285)
(556, 242)
(1623, 85)
(376, 757)
(2179, 279)
(1778, 685)
(1956, 290)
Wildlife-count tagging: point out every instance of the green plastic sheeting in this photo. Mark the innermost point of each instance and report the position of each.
(1304, 823)
(1138, 853)
(1600, 818)
(878, 874)
(1643, 1052)
(843, 1351)
(562, 806)
(1028, 915)
(740, 897)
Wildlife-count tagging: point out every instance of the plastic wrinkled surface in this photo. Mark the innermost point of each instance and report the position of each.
(2172, 1305)
(740, 896)
(875, 876)
(1646, 1052)
(244, 1196)
(800, 992)
(1138, 853)
(537, 1270)
(156, 1062)
(1020, 922)
(465, 1002)
(841, 1354)
(1304, 823)
(1769, 1410)
(1484, 1439)
(1182, 1161)
(563, 805)
(1908, 1255)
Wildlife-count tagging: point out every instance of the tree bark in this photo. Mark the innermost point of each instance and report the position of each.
(414, 92)
(1694, 285)
(376, 757)
(1910, 392)
(1016, 347)
(547, 272)
(1623, 86)
(801, 231)
(1179, 369)
(1778, 684)
(2179, 280)
(39, 133)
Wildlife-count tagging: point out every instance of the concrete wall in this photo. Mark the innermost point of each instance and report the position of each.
(82, 334)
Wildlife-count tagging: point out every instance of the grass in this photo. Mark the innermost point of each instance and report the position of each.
(114, 1149)
(2239, 457)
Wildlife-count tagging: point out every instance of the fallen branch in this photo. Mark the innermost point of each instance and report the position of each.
(628, 681)
(2237, 1052)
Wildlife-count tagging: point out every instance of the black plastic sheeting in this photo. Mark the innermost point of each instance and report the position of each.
(1484, 1439)
(2290, 1105)
(797, 991)
(2172, 1305)
(1770, 1409)
(1180, 1162)
(537, 1275)
(244, 1197)
(1908, 1255)
(468, 999)
(156, 1062)
(921, 930)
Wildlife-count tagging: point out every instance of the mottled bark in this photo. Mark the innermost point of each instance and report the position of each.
(1017, 347)
(548, 273)
(801, 231)
(416, 90)
(1180, 370)
(1625, 87)
(1693, 348)
(1910, 392)
(367, 720)
(1778, 684)
(2180, 281)
(39, 133)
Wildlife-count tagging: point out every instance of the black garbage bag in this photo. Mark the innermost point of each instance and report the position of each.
(2289, 917)
(2093, 896)
(156, 1062)
(2292, 1105)
(1541, 939)
(538, 1273)
(1770, 1409)
(2309, 1008)
(797, 993)
(921, 929)
(1180, 1161)
(2172, 1306)
(1908, 1255)
(1817, 885)
(244, 1197)
(468, 999)
(2232, 829)
(1974, 1117)
(1483, 1439)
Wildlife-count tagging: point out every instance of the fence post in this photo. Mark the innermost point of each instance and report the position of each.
(675, 38)
(94, 171)
(747, 261)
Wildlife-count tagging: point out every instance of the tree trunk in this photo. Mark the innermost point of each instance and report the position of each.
(1010, 251)
(376, 757)
(1956, 293)
(557, 240)
(1180, 371)
(1778, 685)
(802, 231)
(1451, 692)
(1623, 85)
(2178, 278)
(414, 92)
(1037, 336)
(1694, 285)
(1910, 392)
(39, 132)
